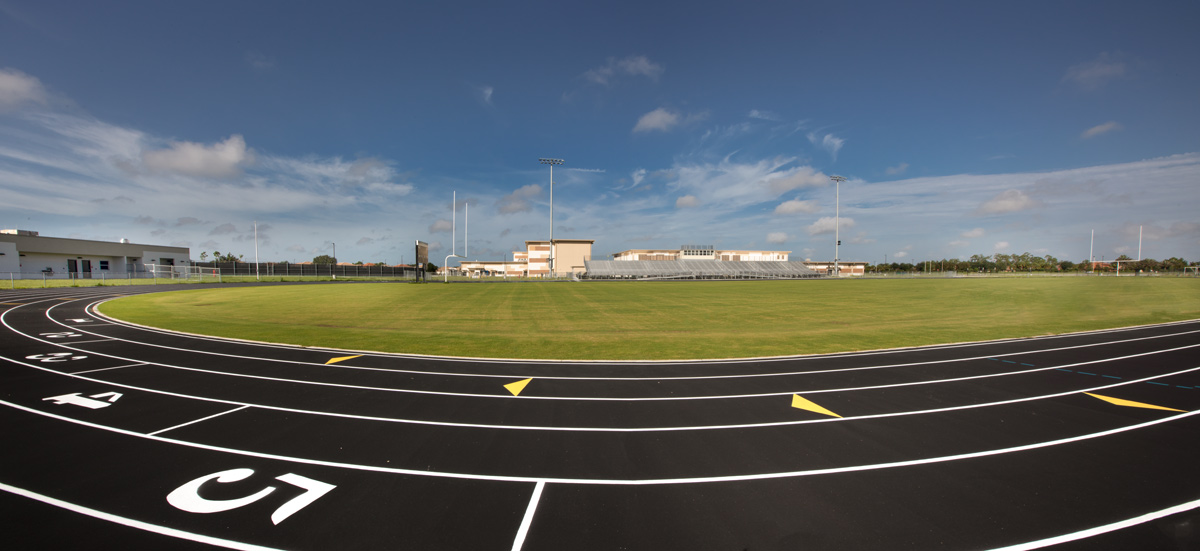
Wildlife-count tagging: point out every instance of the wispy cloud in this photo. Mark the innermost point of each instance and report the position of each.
(828, 142)
(686, 202)
(18, 89)
(634, 65)
(830, 224)
(259, 61)
(1099, 129)
(220, 160)
(1095, 74)
(1012, 200)
(664, 120)
(519, 200)
(898, 169)
(777, 238)
(764, 115)
(796, 206)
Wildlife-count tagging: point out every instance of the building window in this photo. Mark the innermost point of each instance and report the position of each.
(103, 264)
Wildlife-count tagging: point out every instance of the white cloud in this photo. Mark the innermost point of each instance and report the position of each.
(732, 185)
(972, 234)
(663, 120)
(486, 93)
(796, 206)
(1098, 72)
(764, 115)
(861, 239)
(777, 237)
(827, 225)
(900, 254)
(17, 89)
(898, 169)
(687, 201)
(959, 243)
(1012, 200)
(659, 119)
(441, 226)
(637, 176)
(1001, 246)
(519, 200)
(259, 61)
(221, 160)
(1097, 130)
(223, 229)
(629, 66)
(830, 143)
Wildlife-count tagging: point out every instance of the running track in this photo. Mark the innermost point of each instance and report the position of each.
(126, 437)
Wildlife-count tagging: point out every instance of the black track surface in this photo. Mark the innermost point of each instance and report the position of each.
(978, 446)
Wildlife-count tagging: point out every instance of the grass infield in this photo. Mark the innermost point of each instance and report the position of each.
(663, 320)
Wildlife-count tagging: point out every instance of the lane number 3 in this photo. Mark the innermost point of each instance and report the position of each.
(187, 497)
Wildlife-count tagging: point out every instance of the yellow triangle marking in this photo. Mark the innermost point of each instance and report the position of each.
(517, 387)
(808, 405)
(342, 359)
(1131, 403)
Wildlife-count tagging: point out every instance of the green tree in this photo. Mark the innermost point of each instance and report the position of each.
(431, 268)
(324, 259)
(204, 256)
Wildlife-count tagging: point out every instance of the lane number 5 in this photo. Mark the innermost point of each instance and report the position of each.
(187, 497)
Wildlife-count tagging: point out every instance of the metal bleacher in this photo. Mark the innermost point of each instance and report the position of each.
(696, 269)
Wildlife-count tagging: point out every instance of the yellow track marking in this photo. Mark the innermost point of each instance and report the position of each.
(808, 405)
(342, 359)
(517, 387)
(1131, 403)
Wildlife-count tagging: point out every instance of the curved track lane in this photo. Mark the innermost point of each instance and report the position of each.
(1083, 439)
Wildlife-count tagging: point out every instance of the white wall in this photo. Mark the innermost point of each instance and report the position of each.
(10, 262)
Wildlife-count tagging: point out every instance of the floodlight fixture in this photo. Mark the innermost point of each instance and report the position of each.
(837, 223)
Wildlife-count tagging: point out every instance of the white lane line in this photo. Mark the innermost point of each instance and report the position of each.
(519, 541)
(108, 368)
(1090, 532)
(687, 378)
(611, 399)
(612, 429)
(172, 532)
(640, 363)
(615, 481)
(90, 342)
(160, 431)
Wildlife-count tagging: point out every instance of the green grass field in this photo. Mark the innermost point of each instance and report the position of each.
(666, 320)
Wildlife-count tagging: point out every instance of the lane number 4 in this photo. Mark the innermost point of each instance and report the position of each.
(187, 497)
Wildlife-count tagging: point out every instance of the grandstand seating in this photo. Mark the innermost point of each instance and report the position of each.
(696, 269)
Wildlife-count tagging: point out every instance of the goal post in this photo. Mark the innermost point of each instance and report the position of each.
(186, 273)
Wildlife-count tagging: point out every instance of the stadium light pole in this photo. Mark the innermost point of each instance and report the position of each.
(837, 223)
(453, 238)
(551, 162)
(256, 274)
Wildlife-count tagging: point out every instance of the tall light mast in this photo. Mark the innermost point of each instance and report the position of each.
(551, 162)
(837, 222)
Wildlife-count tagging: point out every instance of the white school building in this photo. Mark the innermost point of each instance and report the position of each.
(26, 255)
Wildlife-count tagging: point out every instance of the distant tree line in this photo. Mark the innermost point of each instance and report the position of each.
(1027, 262)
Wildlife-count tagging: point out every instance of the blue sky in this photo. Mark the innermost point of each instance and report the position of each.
(962, 127)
